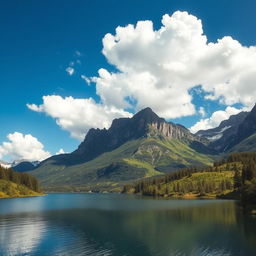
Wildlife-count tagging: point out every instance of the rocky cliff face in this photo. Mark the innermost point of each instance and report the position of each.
(134, 148)
(170, 131)
(144, 123)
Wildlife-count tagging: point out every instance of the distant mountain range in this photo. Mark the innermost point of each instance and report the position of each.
(142, 146)
(233, 135)
(219, 137)
(21, 165)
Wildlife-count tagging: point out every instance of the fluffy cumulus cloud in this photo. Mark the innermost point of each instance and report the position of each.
(78, 115)
(158, 68)
(216, 118)
(22, 146)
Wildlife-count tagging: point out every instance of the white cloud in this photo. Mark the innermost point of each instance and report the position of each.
(158, 67)
(78, 115)
(216, 118)
(34, 107)
(86, 79)
(22, 146)
(61, 151)
(70, 70)
(202, 112)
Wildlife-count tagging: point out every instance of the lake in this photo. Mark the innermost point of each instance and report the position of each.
(112, 224)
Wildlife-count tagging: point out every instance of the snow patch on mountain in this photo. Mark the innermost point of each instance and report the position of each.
(16, 162)
(218, 134)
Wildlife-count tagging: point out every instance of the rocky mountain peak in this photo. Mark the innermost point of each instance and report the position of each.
(146, 123)
(148, 116)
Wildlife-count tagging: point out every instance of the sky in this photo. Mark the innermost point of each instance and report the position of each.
(68, 66)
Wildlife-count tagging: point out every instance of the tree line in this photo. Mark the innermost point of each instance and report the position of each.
(246, 183)
(154, 186)
(19, 178)
(243, 181)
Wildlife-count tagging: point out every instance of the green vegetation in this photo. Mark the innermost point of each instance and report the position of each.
(9, 189)
(234, 177)
(136, 159)
(168, 155)
(15, 184)
(189, 183)
(143, 165)
(246, 183)
(246, 145)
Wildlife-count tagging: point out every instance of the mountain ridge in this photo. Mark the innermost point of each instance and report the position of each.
(135, 148)
(232, 132)
(223, 136)
(131, 148)
(98, 141)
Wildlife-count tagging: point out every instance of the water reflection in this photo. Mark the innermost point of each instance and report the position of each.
(158, 228)
(20, 236)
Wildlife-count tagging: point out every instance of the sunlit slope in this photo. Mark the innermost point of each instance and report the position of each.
(133, 160)
(9, 189)
(192, 182)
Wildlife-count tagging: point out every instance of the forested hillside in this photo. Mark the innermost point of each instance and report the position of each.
(15, 184)
(233, 177)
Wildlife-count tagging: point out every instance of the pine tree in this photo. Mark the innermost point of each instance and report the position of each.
(237, 179)
(2, 174)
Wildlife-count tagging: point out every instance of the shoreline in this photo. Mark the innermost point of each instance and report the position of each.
(21, 196)
(174, 197)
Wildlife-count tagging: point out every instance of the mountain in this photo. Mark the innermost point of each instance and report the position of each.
(25, 166)
(237, 134)
(132, 148)
(221, 137)
(122, 130)
(246, 128)
(21, 165)
(246, 145)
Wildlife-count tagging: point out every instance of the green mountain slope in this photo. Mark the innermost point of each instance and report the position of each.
(136, 159)
(246, 145)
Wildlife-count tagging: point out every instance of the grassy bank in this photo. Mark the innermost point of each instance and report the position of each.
(9, 189)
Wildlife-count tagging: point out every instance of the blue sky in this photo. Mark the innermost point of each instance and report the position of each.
(41, 39)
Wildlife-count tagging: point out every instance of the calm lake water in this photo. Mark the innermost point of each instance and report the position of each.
(106, 224)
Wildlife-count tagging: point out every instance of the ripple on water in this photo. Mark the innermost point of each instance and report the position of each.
(120, 226)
